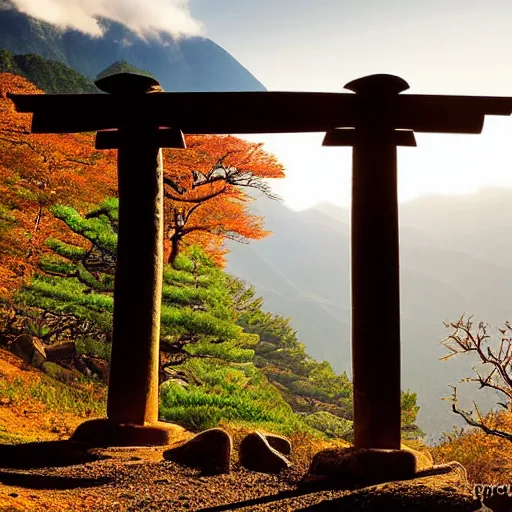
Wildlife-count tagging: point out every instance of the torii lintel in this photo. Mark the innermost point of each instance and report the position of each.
(260, 112)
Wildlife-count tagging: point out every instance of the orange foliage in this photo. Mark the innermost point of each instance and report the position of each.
(39, 170)
(488, 459)
(220, 209)
(36, 171)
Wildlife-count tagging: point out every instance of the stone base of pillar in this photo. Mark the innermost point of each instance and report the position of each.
(104, 432)
(354, 467)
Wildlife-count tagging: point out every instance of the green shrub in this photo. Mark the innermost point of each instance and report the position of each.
(90, 347)
(329, 424)
(238, 394)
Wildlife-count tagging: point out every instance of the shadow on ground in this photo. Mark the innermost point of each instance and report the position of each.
(46, 454)
(48, 482)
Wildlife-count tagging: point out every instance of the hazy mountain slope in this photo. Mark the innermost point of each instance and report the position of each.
(302, 271)
(195, 64)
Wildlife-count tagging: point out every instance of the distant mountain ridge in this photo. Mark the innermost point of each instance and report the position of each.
(303, 272)
(193, 64)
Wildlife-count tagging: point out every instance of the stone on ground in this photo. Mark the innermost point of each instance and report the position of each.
(30, 349)
(352, 466)
(423, 458)
(104, 432)
(209, 451)
(257, 454)
(61, 352)
(446, 492)
(279, 443)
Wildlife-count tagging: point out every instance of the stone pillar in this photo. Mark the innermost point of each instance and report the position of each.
(375, 259)
(132, 406)
(133, 383)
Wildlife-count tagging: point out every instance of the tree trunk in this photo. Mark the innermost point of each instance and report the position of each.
(175, 248)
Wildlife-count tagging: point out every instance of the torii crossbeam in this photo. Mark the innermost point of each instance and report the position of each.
(376, 120)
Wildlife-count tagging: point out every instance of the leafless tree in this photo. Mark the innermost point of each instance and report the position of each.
(494, 353)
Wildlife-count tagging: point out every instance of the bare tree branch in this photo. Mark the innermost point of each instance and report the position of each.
(465, 339)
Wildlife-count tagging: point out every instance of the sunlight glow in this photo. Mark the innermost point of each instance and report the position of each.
(441, 164)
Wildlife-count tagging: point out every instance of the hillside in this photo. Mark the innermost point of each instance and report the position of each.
(194, 64)
(50, 76)
(300, 288)
(286, 388)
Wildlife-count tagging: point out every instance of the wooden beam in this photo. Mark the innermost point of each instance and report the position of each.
(350, 137)
(258, 112)
(164, 138)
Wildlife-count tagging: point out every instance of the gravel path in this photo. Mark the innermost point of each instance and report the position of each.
(139, 480)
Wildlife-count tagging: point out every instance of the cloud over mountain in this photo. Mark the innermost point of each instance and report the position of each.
(146, 18)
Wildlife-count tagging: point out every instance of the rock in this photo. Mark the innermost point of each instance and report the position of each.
(279, 443)
(62, 352)
(351, 466)
(257, 454)
(103, 432)
(93, 366)
(30, 349)
(423, 458)
(100, 367)
(422, 494)
(209, 451)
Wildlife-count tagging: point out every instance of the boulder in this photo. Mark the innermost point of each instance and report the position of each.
(357, 466)
(279, 443)
(446, 492)
(30, 349)
(100, 367)
(61, 352)
(209, 451)
(103, 432)
(257, 454)
(423, 458)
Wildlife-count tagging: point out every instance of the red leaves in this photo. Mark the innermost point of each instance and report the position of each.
(37, 171)
(219, 209)
(40, 170)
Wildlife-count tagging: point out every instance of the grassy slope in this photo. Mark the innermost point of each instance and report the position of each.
(36, 407)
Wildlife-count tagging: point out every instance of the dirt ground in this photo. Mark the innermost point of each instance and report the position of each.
(129, 479)
(40, 471)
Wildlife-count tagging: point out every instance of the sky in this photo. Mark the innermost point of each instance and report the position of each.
(438, 46)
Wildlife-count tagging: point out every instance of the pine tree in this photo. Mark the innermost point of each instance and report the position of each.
(75, 293)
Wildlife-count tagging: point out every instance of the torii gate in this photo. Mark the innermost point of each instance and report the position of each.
(376, 119)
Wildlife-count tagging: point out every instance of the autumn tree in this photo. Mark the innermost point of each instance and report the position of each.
(36, 172)
(205, 187)
(206, 192)
(494, 353)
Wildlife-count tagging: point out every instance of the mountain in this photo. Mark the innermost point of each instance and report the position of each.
(48, 75)
(453, 261)
(194, 64)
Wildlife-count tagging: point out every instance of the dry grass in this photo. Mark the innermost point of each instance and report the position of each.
(34, 407)
(488, 459)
